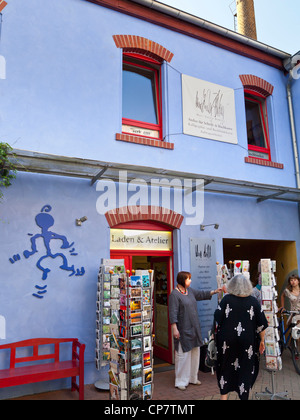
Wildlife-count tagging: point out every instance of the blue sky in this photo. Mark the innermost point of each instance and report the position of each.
(277, 21)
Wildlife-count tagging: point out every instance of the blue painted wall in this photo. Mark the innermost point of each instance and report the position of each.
(69, 306)
(62, 95)
(63, 91)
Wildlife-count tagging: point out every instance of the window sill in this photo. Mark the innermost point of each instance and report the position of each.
(144, 141)
(263, 162)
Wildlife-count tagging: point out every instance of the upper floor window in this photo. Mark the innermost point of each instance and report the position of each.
(256, 92)
(141, 96)
(257, 125)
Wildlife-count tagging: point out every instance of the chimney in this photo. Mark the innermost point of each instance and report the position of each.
(246, 18)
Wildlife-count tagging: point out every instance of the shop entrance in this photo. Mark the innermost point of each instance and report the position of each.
(283, 252)
(146, 257)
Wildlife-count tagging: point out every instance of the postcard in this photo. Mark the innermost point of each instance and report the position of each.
(136, 371)
(114, 292)
(136, 305)
(146, 312)
(146, 280)
(106, 285)
(122, 283)
(136, 317)
(147, 343)
(114, 318)
(136, 292)
(136, 357)
(106, 294)
(266, 292)
(136, 330)
(270, 318)
(265, 265)
(266, 279)
(146, 297)
(146, 328)
(136, 344)
(266, 305)
(122, 331)
(122, 314)
(147, 359)
(123, 300)
(147, 392)
(271, 363)
(147, 375)
(136, 281)
(136, 389)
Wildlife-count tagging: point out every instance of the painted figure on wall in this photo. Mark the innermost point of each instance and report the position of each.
(45, 221)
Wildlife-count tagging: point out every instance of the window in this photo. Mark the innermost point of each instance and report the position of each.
(257, 125)
(141, 96)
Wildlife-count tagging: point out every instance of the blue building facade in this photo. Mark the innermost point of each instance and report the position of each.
(62, 113)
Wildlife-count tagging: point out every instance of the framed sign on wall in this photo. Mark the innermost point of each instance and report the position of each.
(208, 110)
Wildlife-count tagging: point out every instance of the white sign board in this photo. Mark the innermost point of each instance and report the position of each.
(204, 277)
(140, 239)
(208, 110)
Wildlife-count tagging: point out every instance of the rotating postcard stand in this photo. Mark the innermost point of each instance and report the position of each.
(124, 339)
(267, 281)
(106, 312)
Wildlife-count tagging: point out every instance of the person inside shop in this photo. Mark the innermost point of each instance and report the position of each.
(240, 335)
(292, 293)
(256, 291)
(186, 330)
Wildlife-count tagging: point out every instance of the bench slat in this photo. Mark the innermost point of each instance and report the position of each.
(39, 373)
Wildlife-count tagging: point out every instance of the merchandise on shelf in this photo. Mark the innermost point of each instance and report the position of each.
(223, 276)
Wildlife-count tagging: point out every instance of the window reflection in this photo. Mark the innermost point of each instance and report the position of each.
(139, 94)
(255, 131)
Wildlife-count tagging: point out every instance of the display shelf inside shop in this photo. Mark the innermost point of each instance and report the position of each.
(124, 338)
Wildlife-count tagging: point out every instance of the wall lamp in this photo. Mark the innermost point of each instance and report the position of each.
(215, 225)
(80, 221)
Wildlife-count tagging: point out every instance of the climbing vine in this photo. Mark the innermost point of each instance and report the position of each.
(8, 170)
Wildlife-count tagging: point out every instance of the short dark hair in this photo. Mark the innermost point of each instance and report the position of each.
(182, 276)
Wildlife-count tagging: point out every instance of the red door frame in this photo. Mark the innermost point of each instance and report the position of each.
(165, 354)
(163, 255)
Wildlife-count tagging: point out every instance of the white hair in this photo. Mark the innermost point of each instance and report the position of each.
(239, 285)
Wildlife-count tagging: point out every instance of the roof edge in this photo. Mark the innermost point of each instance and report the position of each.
(179, 14)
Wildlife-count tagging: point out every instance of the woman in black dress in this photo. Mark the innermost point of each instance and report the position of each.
(241, 325)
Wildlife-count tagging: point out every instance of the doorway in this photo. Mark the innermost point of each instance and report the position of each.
(161, 262)
(283, 252)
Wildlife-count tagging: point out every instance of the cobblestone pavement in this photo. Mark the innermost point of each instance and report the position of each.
(285, 380)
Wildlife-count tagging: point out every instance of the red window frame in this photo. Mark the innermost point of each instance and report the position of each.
(154, 66)
(262, 106)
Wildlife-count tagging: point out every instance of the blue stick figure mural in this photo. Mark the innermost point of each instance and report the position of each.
(44, 220)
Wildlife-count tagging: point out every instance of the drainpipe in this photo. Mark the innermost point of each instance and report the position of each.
(293, 75)
(293, 129)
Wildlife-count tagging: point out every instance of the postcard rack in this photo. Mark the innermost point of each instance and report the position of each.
(124, 338)
(267, 281)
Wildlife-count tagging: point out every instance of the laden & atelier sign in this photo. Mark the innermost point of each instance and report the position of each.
(208, 110)
(140, 239)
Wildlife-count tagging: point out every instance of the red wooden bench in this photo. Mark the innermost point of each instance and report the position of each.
(39, 372)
